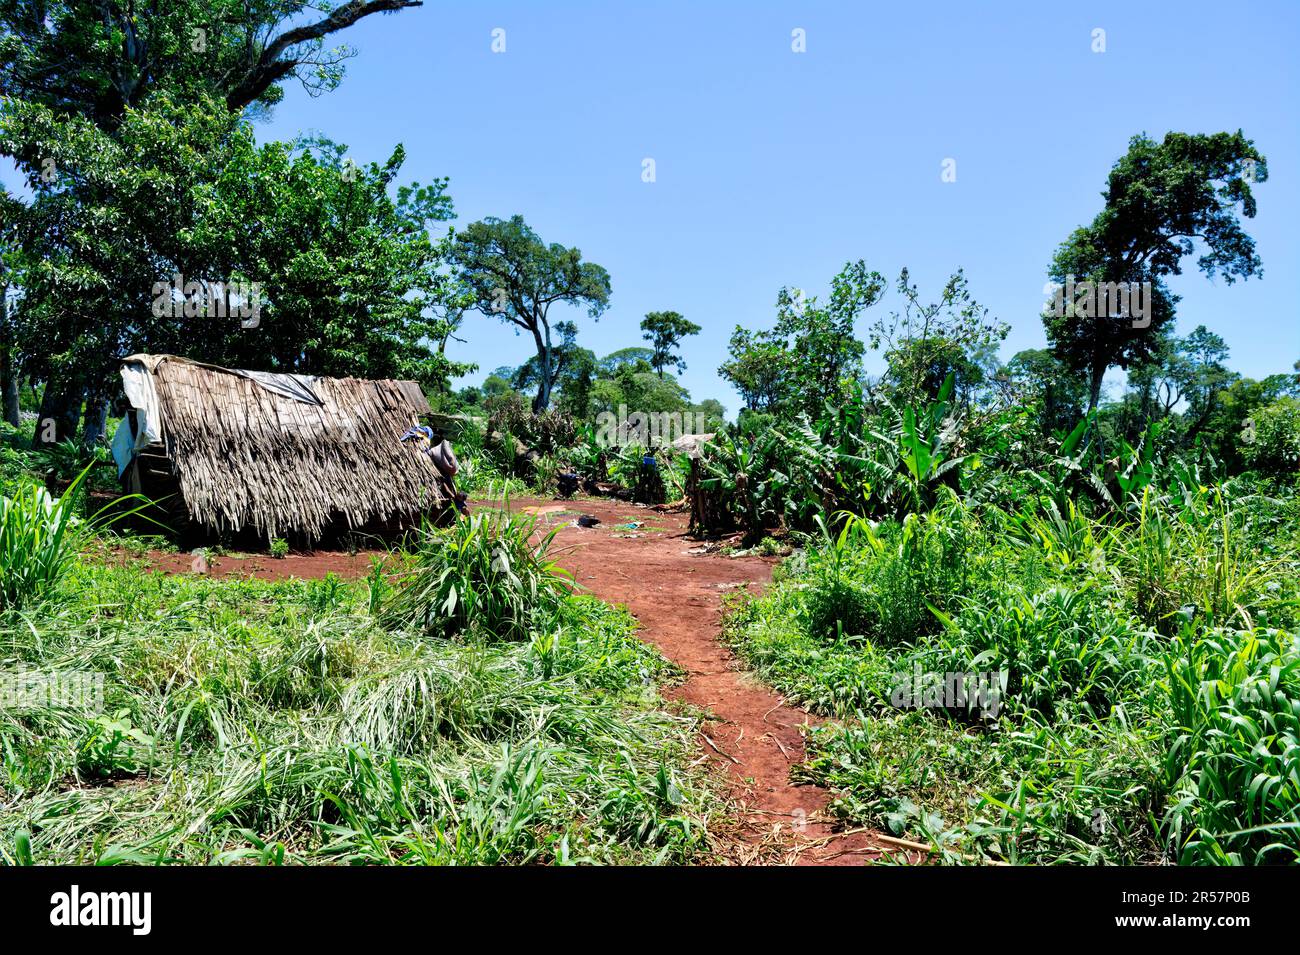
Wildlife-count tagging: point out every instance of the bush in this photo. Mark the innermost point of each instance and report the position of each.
(881, 582)
(1272, 438)
(546, 432)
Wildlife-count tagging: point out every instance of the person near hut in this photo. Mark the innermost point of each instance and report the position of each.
(442, 455)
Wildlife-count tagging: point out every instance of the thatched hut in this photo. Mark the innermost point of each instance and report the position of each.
(274, 455)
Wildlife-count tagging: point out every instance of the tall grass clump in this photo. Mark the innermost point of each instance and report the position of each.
(483, 574)
(40, 537)
(880, 582)
(1234, 733)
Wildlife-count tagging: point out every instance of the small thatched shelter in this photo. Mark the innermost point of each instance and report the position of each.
(273, 454)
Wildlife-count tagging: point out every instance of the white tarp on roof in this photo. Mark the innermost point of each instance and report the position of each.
(691, 444)
(137, 382)
(297, 387)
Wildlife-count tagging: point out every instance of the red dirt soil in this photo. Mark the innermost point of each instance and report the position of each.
(309, 566)
(675, 591)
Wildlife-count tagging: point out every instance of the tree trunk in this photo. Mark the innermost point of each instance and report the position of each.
(8, 367)
(543, 399)
(60, 406)
(9, 391)
(1094, 392)
(94, 420)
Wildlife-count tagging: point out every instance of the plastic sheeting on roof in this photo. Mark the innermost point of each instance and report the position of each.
(297, 387)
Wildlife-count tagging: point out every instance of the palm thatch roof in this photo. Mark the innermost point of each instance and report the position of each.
(283, 454)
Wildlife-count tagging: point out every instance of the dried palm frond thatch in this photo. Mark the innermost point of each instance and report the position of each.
(247, 456)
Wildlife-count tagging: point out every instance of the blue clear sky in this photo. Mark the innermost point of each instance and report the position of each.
(775, 167)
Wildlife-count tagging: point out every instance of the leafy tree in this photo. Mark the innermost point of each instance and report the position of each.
(624, 356)
(575, 372)
(928, 341)
(80, 83)
(1272, 438)
(109, 217)
(350, 282)
(354, 283)
(1188, 371)
(1061, 396)
(760, 368)
(812, 354)
(1161, 198)
(1201, 375)
(665, 331)
(642, 391)
(496, 384)
(515, 276)
(1233, 409)
(98, 59)
(715, 412)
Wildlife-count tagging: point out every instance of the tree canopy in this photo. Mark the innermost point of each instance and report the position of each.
(515, 276)
(1162, 201)
(665, 331)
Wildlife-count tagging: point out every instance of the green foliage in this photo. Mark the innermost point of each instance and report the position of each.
(1147, 655)
(280, 723)
(1234, 743)
(114, 746)
(40, 537)
(348, 280)
(929, 342)
(1059, 398)
(1159, 197)
(481, 575)
(811, 354)
(1272, 438)
(736, 469)
(98, 61)
(665, 331)
(516, 277)
(1060, 647)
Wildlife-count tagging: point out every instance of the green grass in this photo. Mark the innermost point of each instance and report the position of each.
(1151, 711)
(248, 721)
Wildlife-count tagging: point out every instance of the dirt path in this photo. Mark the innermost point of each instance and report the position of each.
(674, 589)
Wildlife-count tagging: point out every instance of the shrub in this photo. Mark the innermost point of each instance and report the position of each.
(881, 582)
(114, 746)
(546, 431)
(1272, 440)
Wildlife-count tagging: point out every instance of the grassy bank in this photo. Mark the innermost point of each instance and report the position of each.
(1147, 669)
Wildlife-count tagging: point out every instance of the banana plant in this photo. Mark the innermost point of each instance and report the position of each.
(922, 446)
(1070, 467)
(1140, 470)
(737, 466)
